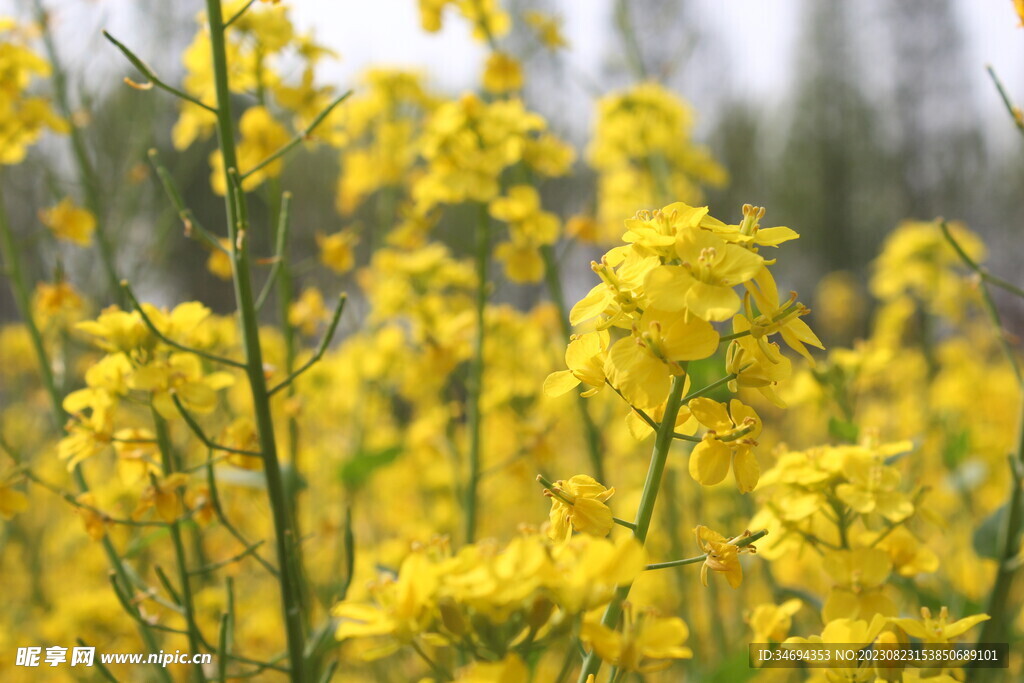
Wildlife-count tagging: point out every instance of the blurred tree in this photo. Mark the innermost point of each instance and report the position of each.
(834, 178)
(939, 146)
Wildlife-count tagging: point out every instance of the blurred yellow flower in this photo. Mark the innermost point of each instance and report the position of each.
(648, 642)
(548, 29)
(260, 136)
(219, 262)
(69, 222)
(165, 496)
(938, 629)
(337, 251)
(502, 74)
(308, 311)
(771, 622)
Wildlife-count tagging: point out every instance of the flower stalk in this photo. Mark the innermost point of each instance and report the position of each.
(476, 372)
(284, 527)
(645, 512)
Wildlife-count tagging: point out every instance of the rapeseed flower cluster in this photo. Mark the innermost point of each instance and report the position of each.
(710, 475)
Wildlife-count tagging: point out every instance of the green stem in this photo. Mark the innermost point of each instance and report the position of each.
(170, 465)
(476, 371)
(1015, 113)
(16, 275)
(86, 173)
(285, 532)
(645, 512)
(281, 203)
(624, 24)
(304, 135)
(148, 72)
(590, 430)
(988, 302)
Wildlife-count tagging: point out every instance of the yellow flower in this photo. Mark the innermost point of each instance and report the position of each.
(582, 227)
(487, 18)
(12, 501)
(95, 522)
(136, 454)
(89, 434)
(728, 444)
(308, 311)
(241, 435)
(181, 375)
(711, 268)
(22, 118)
(585, 357)
(183, 324)
(641, 365)
(337, 251)
(589, 569)
(643, 149)
(165, 496)
(847, 632)
(938, 630)
(772, 318)
(722, 555)
(909, 556)
(219, 262)
(116, 330)
(579, 504)
(648, 642)
(916, 259)
(771, 622)
(502, 74)
(614, 301)
(57, 305)
(548, 28)
(757, 363)
(873, 487)
(402, 608)
(860, 584)
(69, 222)
(260, 136)
(522, 261)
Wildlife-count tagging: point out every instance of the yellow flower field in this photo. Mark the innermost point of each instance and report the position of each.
(488, 404)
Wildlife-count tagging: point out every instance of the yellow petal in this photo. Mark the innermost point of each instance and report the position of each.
(709, 462)
(558, 383)
(745, 469)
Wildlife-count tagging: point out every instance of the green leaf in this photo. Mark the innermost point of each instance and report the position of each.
(956, 448)
(734, 668)
(843, 430)
(988, 536)
(357, 469)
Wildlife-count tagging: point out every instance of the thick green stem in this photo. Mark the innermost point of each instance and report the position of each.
(590, 430)
(170, 465)
(645, 512)
(476, 370)
(284, 529)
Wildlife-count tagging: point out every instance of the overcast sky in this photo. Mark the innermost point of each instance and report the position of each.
(757, 37)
